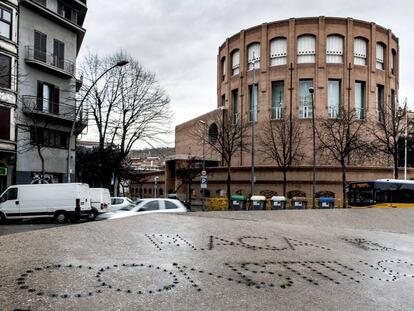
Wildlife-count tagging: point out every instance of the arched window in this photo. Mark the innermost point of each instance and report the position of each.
(235, 62)
(394, 62)
(334, 49)
(380, 55)
(360, 51)
(223, 68)
(278, 51)
(306, 49)
(253, 53)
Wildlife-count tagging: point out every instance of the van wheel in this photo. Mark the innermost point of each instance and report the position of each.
(92, 215)
(60, 217)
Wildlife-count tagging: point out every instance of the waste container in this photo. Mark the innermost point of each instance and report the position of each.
(237, 202)
(258, 202)
(326, 202)
(278, 202)
(299, 202)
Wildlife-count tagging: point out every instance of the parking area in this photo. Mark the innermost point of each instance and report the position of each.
(257, 260)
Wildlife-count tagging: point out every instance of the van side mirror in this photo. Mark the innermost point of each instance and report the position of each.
(2, 199)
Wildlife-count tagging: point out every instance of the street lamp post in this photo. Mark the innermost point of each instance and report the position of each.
(311, 91)
(204, 161)
(155, 186)
(77, 111)
(254, 116)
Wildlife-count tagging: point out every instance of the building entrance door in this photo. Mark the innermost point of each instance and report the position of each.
(3, 183)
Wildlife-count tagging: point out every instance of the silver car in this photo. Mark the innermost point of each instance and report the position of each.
(146, 206)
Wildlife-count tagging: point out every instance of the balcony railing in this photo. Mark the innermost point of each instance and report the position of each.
(48, 108)
(50, 61)
(277, 113)
(333, 112)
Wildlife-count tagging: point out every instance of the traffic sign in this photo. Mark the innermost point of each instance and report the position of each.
(203, 173)
(203, 182)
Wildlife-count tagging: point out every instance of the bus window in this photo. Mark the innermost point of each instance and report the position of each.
(361, 194)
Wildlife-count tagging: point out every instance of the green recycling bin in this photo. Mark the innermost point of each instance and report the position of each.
(237, 202)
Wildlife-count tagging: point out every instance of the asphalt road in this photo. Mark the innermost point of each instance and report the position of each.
(267, 260)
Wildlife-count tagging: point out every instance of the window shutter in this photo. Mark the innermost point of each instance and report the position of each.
(39, 102)
(334, 49)
(56, 100)
(360, 51)
(306, 49)
(278, 51)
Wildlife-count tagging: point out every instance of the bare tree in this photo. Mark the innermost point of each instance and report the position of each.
(185, 172)
(388, 128)
(127, 105)
(280, 141)
(225, 138)
(342, 139)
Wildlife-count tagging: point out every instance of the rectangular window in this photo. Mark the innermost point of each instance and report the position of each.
(334, 49)
(253, 54)
(360, 99)
(59, 54)
(379, 102)
(334, 98)
(305, 99)
(48, 137)
(306, 49)
(41, 2)
(360, 51)
(223, 69)
(278, 51)
(253, 99)
(277, 99)
(234, 106)
(223, 100)
(5, 22)
(40, 46)
(5, 71)
(48, 98)
(5, 123)
(380, 56)
(235, 62)
(67, 12)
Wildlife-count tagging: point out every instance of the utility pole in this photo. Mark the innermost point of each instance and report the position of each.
(204, 163)
(405, 143)
(254, 116)
(311, 91)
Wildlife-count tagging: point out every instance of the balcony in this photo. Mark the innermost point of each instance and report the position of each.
(49, 62)
(58, 112)
(40, 7)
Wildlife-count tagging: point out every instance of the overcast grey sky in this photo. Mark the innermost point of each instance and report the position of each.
(179, 39)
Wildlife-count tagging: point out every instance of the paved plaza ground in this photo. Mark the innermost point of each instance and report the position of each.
(259, 260)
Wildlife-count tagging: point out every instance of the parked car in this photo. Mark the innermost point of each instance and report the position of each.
(100, 201)
(147, 206)
(58, 201)
(121, 202)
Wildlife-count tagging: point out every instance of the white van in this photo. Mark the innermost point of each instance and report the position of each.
(100, 201)
(58, 201)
